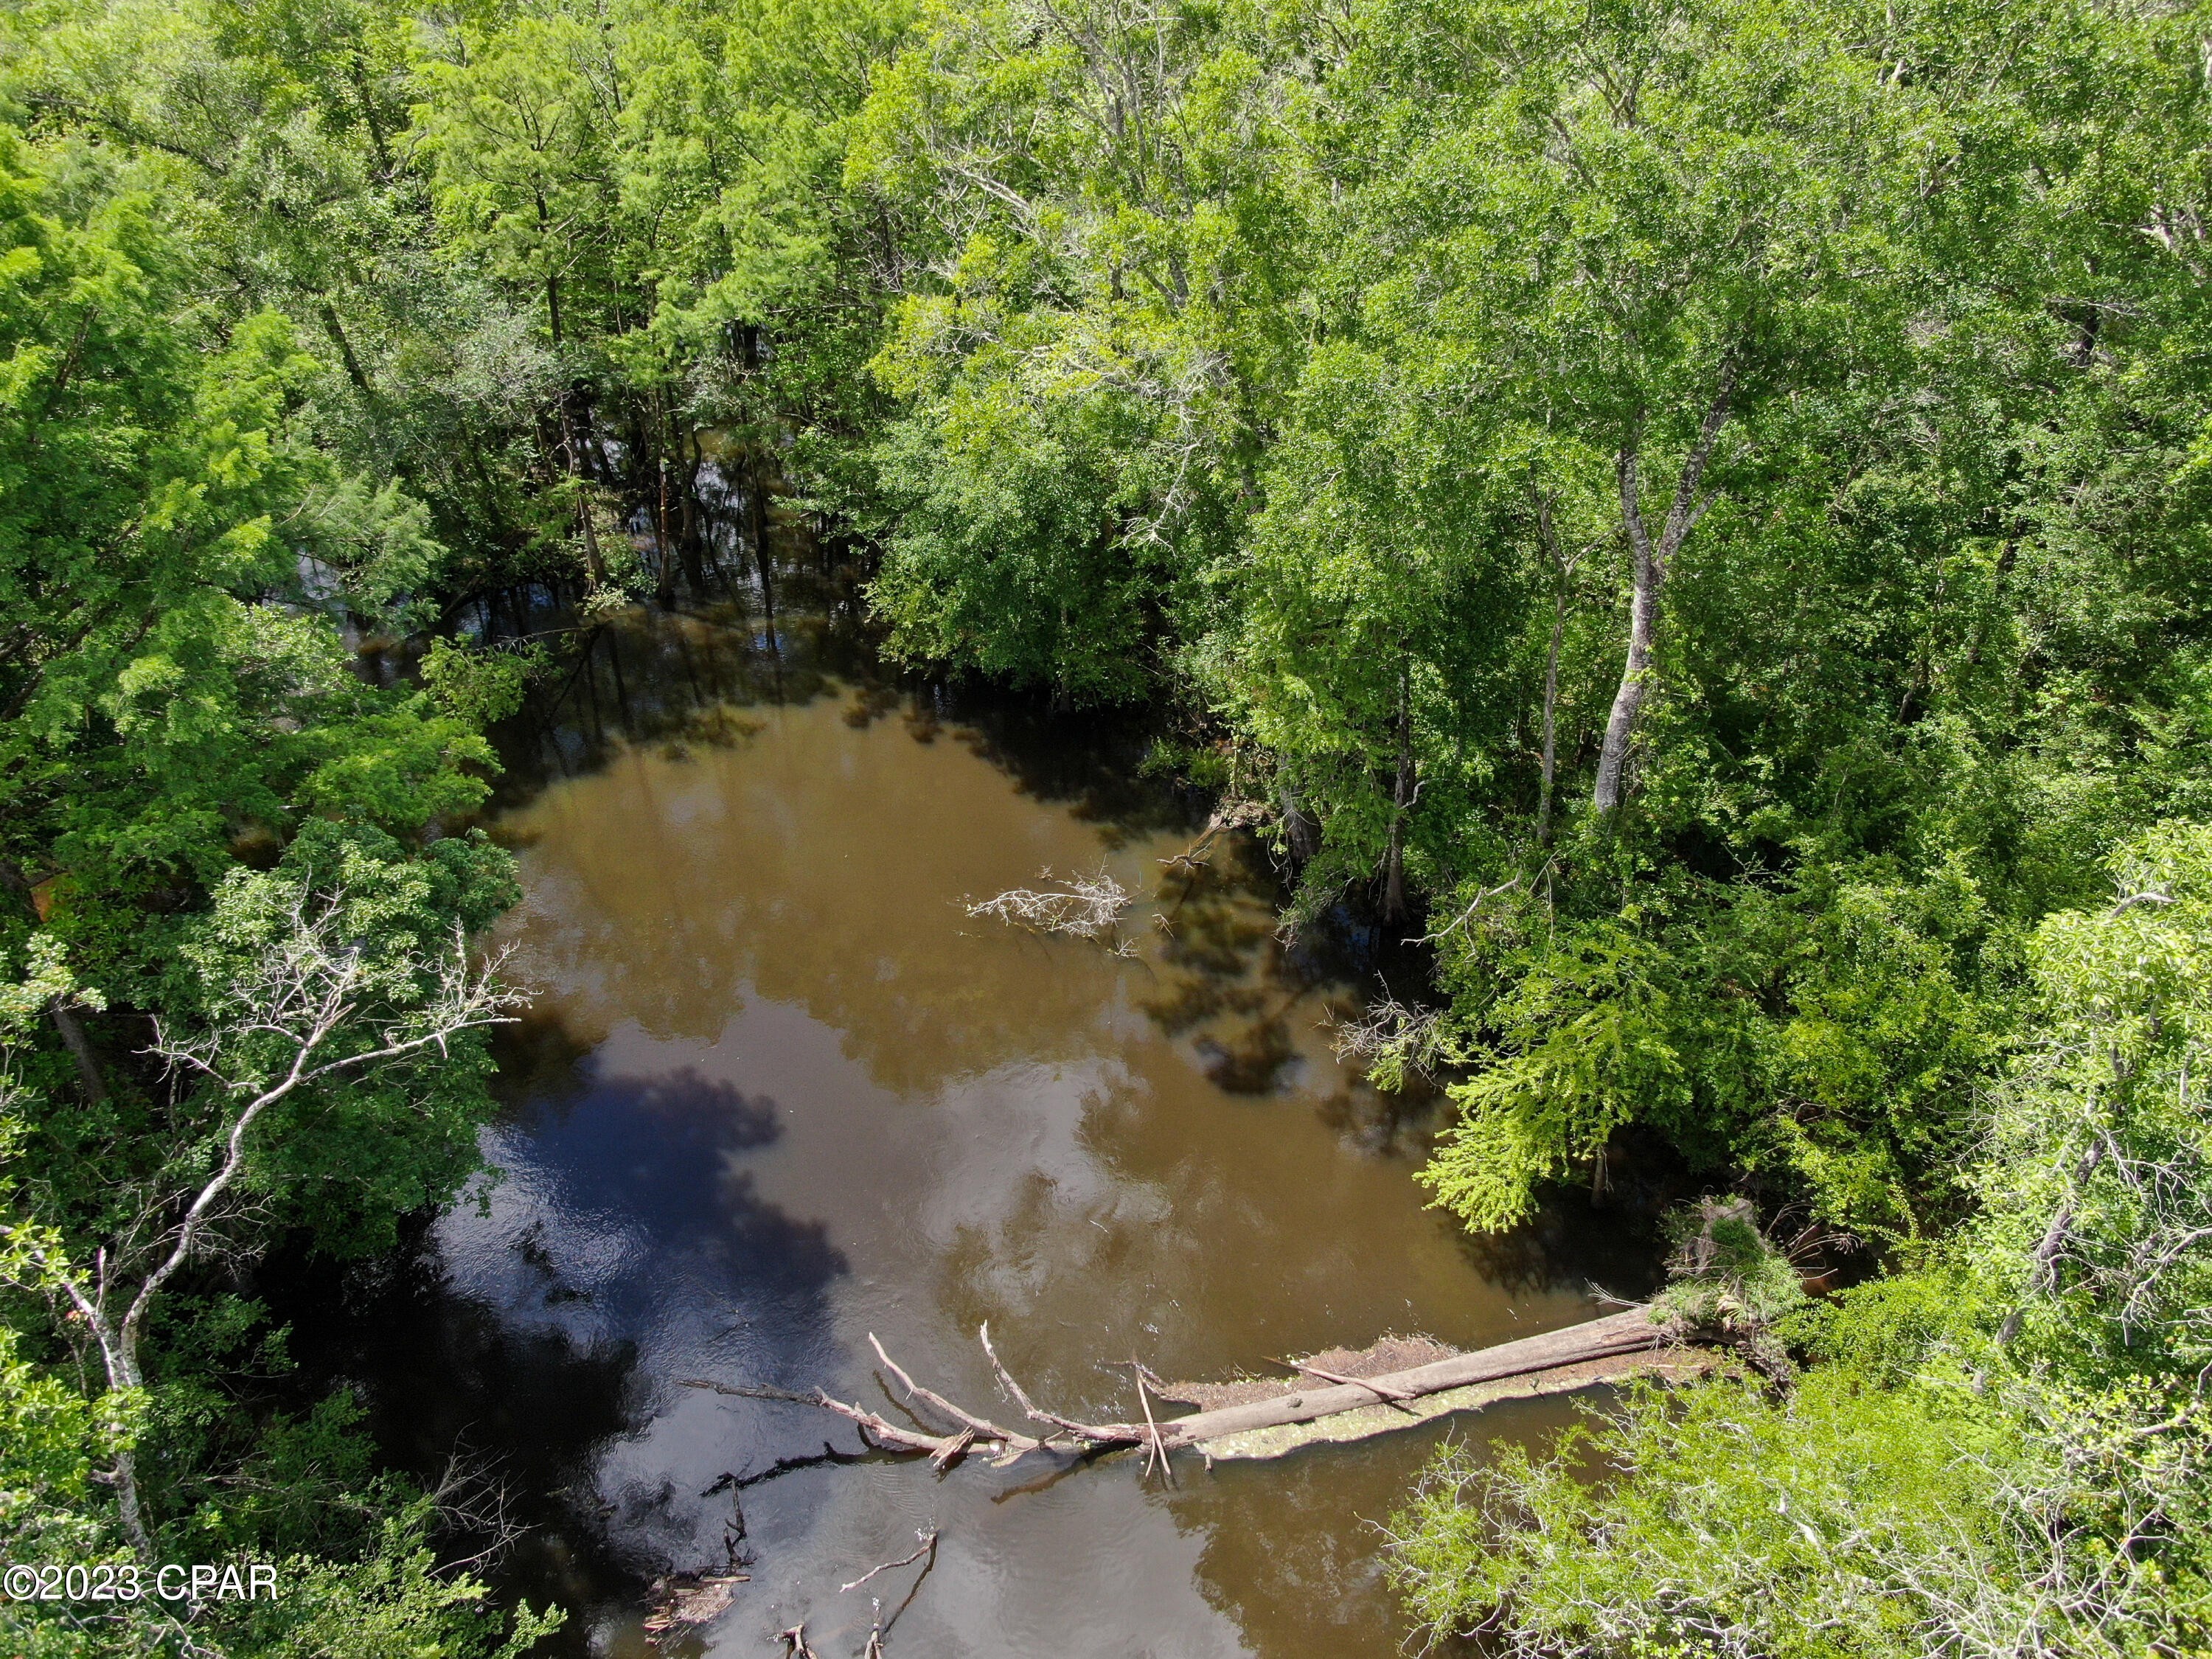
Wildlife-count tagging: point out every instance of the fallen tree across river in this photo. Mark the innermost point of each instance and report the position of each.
(1350, 1399)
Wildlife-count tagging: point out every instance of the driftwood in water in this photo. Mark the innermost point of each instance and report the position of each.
(973, 1433)
(1083, 906)
(688, 1601)
(1230, 815)
(1599, 1350)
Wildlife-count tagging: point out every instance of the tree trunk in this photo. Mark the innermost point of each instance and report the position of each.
(80, 1046)
(358, 72)
(118, 1352)
(1651, 560)
(664, 593)
(2043, 1264)
(124, 1477)
(1401, 801)
(336, 329)
(592, 559)
(1649, 576)
(1298, 827)
(69, 1028)
(689, 535)
(596, 564)
(761, 561)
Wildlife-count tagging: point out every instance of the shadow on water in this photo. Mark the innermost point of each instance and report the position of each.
(450, 1381)
(693, 679)
(1568, 1246)
(508, 1333)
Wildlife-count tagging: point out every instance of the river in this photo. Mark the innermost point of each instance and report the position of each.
(779, 1090)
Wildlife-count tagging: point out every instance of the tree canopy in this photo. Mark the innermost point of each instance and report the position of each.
(1690, 513)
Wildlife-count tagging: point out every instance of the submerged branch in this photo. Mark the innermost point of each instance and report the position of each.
(928, 1544)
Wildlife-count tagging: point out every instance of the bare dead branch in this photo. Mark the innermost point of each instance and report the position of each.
(976, 1427)
(1094, 1434)
(1085, 906)
(876, 1428)
(1380, 1390)
(293, 1013)
(928, 1544)
(1155, 1447)
(1389, 1031)
(1230, 815)
(952, 1450)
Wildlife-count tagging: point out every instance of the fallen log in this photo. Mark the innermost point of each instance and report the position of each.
(1388, 1417)
(1606, 1349)
(1612, 1336)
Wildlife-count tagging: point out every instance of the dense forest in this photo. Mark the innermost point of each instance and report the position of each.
(1692, 511)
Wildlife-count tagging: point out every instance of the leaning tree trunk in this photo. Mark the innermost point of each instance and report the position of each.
(1651, 562)
(1649, 577)
(74, 1039)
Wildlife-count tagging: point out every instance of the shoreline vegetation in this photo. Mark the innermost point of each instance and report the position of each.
(1692, 515)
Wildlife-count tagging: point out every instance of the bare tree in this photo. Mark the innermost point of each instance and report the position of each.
(1653, 558)
(312, 1007)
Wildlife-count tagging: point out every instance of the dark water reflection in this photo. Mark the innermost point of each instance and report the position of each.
(780, 1091)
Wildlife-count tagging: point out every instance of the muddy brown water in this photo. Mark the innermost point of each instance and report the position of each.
(780, 1090)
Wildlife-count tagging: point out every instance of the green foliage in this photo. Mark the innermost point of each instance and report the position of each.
(181, 534)
(1584, 1046)
(482, 687)
(394, 1600)
(157, 702)
(348, 1158)
(1734, 1524)
(2005, 1446)
(54, 1439)
(1012, 554)
(1108, 308)
(2100, 1173)
(1362, 381)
